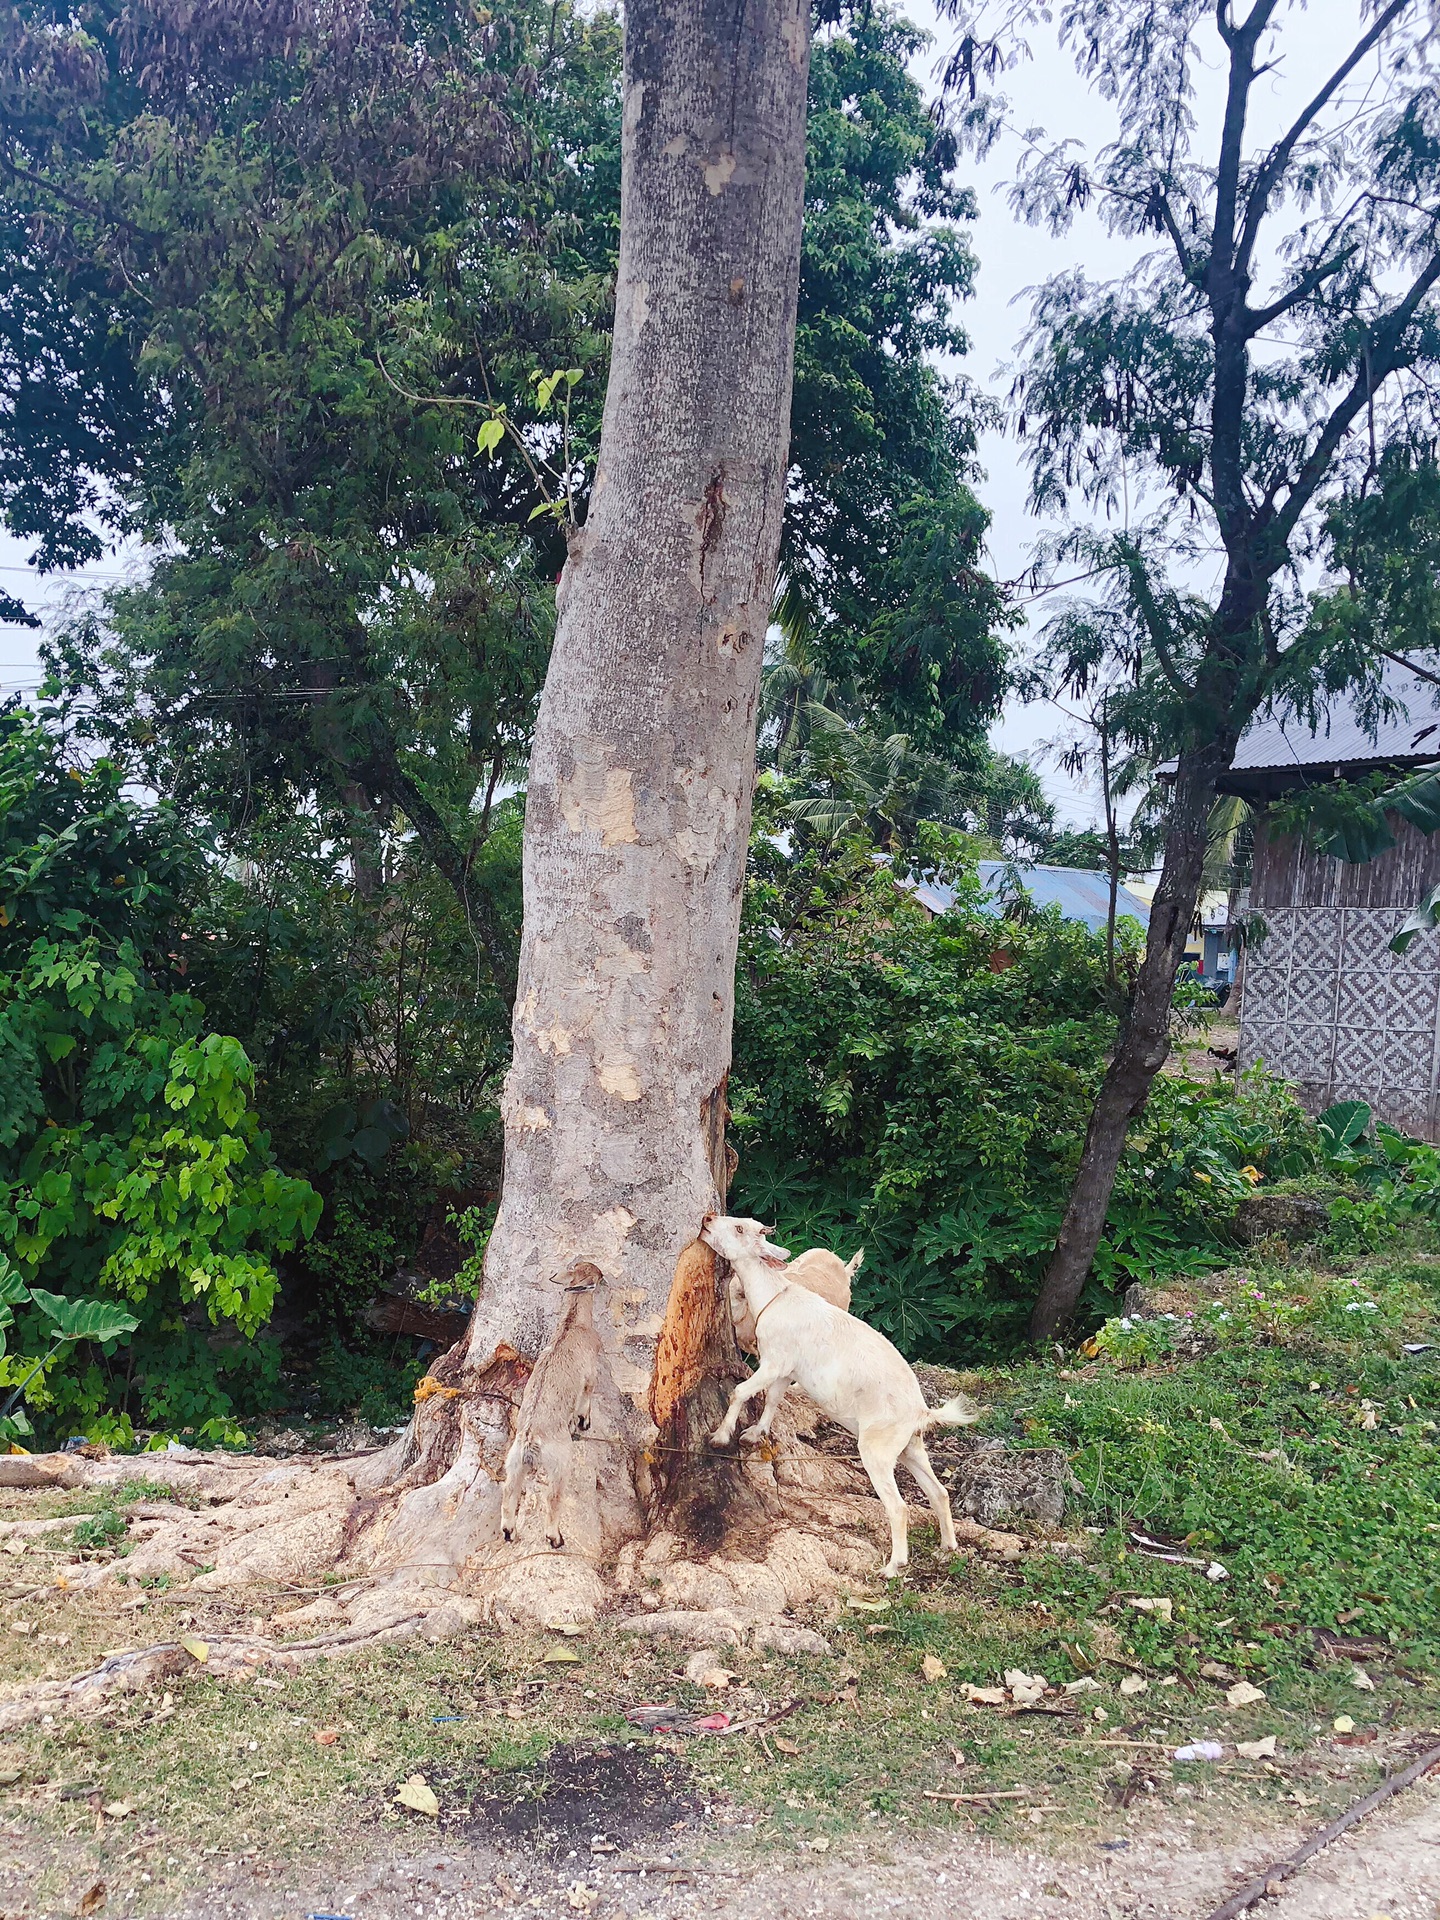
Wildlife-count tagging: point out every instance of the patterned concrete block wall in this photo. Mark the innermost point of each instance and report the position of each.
(1326, 1004)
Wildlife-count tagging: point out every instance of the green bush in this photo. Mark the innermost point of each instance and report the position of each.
(922, 1087)
(132, 1164)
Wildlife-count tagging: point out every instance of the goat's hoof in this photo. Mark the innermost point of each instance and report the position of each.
(718, 1439)
(752, 1436)
(557, 1540)
(582, 1426)
(892, 1573)
(509, 1532)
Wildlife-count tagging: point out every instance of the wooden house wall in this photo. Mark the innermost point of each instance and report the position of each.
(1325, 1002)
(1287, 873)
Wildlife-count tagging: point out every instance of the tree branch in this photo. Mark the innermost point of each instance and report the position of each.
(1279, 156)
(1376, 370)
(1256, 319)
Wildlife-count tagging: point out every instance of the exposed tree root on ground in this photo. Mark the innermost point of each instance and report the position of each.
(670, 1536)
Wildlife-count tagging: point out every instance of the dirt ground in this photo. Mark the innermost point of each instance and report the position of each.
(1388, 1869)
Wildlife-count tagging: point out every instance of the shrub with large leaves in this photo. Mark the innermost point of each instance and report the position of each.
(132, 1166)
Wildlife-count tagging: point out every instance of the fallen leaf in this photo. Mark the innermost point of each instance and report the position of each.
(1132, 1683)
(1361, 1679)
(1242, 1694)
(570, 1628)
(93, 1899)
(1342, 1723)
(820, 1844)
(869, 1606)
(581, 1897)
(118, 1810)
(985, 1696)
(601, 1845)
(1212, 1670)
(1256, 1749)
(560, 1657)
(1162, 1608)
(417, 1795)
(326, 1736)
(197, 1649)
(1083, 1685)
(786, 1746)
(25, 1626)
(932, 1668)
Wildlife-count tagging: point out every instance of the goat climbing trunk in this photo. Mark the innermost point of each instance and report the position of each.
(638, 803)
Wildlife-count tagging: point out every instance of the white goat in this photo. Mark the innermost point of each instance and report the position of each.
(850, 1371)
(555, 1406)
(818, 1269)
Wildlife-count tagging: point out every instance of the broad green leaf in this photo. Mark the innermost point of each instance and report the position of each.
(83, 1319)
(490, 436)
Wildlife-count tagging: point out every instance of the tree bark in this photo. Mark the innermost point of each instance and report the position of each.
(1144, 1039)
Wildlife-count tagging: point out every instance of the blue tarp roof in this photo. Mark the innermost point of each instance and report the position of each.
(1079, 894)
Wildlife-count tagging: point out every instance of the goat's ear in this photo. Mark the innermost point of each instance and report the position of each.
(775, 1256)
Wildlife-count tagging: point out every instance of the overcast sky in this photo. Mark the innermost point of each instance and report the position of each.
(1046, 92)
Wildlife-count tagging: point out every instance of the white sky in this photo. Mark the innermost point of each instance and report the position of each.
(1045, 91)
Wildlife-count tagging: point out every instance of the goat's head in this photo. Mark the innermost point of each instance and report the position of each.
(739, 1239)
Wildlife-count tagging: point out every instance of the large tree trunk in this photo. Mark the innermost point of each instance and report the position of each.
(1144, 1039)
(637, 820)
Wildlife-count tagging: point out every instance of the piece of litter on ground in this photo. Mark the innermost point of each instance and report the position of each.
(985, 1696)
(1256, 1749)
(1419, 1346)
(673, 1719)
(1243, 1694)
(1025, 1688)
(1132, 1684)
(1216, 1572)
(1342, 1723)
(1083, 1685)
(1361, 1679)
(417, 1795)
(1163, 1608)
(932, 1668)
(1200, 1750)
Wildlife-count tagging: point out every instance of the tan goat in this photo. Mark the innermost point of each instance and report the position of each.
(555, 1406)
(817, 1269)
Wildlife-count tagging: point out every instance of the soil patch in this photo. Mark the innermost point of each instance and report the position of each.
(622, 1795)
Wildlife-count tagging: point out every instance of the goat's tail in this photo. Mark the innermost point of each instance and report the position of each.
(852, 1267)
(959, 1412)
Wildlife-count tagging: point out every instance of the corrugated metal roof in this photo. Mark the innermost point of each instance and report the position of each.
(1271, 745)
(1079, 893)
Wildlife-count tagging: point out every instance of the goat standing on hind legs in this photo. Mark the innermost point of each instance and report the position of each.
(555, 1406)
(850, 1371)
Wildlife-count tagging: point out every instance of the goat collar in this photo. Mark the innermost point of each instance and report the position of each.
(770, 1302)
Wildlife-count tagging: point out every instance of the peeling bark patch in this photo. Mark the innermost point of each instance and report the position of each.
(619, 1076)
(720, 173)
(737, 291)
(530, 1119)
(712, 514)
(680, 1350)
(600, 798)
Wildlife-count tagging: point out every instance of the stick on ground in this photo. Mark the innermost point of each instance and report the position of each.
(1272, 1877)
